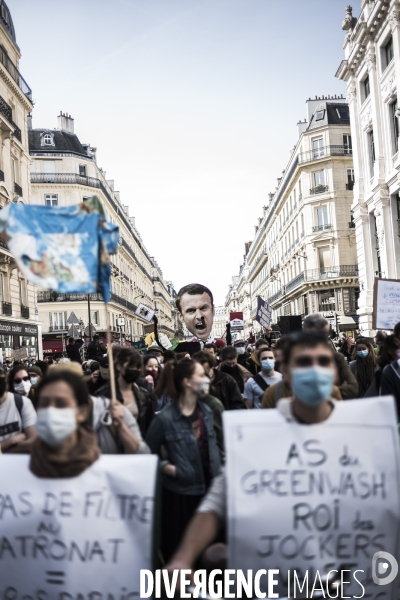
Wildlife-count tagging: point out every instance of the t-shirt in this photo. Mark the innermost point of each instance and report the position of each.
(252, 390)
(200, 435)
(10, 419)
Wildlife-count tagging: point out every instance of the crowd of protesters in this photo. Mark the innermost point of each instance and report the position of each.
(171, 404)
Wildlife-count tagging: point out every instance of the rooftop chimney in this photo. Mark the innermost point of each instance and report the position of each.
(29, 121)
(65, 122)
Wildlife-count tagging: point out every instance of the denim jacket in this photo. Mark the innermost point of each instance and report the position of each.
(172, 430)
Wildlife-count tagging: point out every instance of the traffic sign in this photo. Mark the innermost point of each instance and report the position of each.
(90, 332)
(73, 332)
(73, 319)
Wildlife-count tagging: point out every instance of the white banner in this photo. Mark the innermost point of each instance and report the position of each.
(386, 312)
(314, 497)
(81, 538)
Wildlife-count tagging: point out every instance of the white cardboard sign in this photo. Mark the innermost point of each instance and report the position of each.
(145, 312)
(314, 497)
(82, 538)
(386, 303)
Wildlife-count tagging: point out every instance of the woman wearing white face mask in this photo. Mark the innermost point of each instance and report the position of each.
(66, 445)
(363, 366)
(19, 381)
(185, 430)
(17, 419)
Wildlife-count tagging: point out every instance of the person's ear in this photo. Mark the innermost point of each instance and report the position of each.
(180, 317)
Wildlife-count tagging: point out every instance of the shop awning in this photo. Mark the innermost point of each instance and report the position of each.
(52, 346)
(347, 322)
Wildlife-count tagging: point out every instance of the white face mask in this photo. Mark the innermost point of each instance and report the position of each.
(54, 425)
(34, 380)
(203, 387)
(23, 388)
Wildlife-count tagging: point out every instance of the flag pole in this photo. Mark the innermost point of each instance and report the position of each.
(110, 357)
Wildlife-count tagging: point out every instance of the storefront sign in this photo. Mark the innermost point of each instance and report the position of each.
(10, 327)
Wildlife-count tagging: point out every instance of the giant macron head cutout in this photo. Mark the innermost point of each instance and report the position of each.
(195, 306)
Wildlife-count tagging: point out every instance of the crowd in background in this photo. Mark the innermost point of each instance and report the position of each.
(171, 404)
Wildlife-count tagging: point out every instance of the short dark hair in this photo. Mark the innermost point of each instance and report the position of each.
(210, 345)
(261, 342)
(396, 330)
(228, 353)
(193, 289)
(307, 339)
(12, 373)
(71, 339)
(75, 382)
(315, 322)
(205, 358)
(128, 355)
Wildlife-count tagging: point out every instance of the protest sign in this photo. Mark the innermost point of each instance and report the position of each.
(236, 320)
(85, 537)
(20, 354)
(165, 341)
(264, 312)
(145, 312)
(386, 312)
(307, 498)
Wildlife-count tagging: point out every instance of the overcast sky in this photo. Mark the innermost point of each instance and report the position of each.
(192, 105)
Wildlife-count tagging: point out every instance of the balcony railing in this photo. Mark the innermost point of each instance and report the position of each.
(49, 296)
(7, 309)
(6, 111)
(352, 225)
(17, 189)
(24, 311)
(58, 328)
(15, 74)
(350, 186)
(327, 307)
(318, 275)
(319, 189)
(322, 227)
(323, 152)
(275, 297)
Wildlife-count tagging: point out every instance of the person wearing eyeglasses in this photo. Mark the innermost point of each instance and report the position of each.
(17, 415)
(311, 370)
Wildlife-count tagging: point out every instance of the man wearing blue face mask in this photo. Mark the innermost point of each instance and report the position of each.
(256, 385)
(311, 370)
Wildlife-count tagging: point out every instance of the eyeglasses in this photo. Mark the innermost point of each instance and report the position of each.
(309, 361)
(18, 380)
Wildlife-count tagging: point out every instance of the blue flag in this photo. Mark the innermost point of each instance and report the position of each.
(66, 249)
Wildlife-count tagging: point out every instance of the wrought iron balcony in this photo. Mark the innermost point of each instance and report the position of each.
(65, 178)
(15, 74)
(319, 189)
(51, 296)
(6, 112)
(327, 307)
(17, 132)
(7, 309)
(350, 186)
(18, 189)
(58, 328)
(323, 152)
(321, 227)
(295, 282)
(275, 297)
(352, 225)
(319, 275)
(24, 311)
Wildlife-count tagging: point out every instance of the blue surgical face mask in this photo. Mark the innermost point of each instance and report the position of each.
(362, 353)
(312, 385)
(240, 350)
(268, 364)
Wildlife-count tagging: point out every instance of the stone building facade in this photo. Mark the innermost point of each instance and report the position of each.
(371, 69)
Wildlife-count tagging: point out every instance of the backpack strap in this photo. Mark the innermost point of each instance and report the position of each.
(260, 381)
(19, 403)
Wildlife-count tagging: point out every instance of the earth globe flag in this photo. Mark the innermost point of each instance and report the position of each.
(66, 249)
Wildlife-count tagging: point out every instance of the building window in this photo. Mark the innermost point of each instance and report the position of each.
(94, 317)
(343, 113)
(47, 140)
(319, 178)
(324, 255)
(322, 217)
(350, 179)
(367, 89)
(51, 199)
(58, 321)
(389, 51)
(394, 126)
(319, 115)
(23, 292)
(371, 144)
(347, 144)
(82, 170)
(318, 148)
